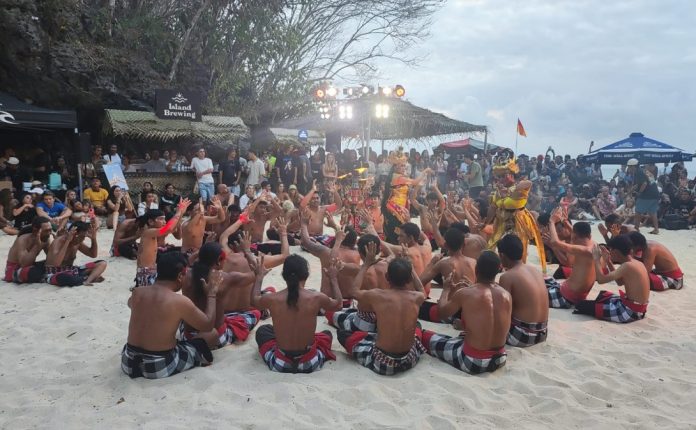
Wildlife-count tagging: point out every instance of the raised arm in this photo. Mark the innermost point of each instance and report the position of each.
(257, 300)
(615, 275)
(557, 243)
(311, 246)
(194, 316)
(221, 215)
(93, 249)
(335, 302)
(307, 198)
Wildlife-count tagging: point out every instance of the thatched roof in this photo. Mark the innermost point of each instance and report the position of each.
(406, 121)
(146, 126)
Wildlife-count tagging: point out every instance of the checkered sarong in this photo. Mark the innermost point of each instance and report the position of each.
(524, 334)
(556, 299)
(366, 353)
(145, 276)
(666, 281)
(237, 326)
(456, 352)
(279, 361)
(617, 308)
(136, 362)
(353, 320)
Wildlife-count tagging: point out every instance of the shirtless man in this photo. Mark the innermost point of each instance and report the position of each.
(60, 258)
(486, 312)
(224, 196)
(125, 239)
(530, 300)
(154, 229)
(292, 346)
(413, 243)
(613, 227)
(398, 346)
(292, 216)
(22, 266)
(455, 263)
(228, 328)
(661, 264)
(555, 255)
(152, 350)
(375, 277)
(582, 278)
(434, 203)
(374, 209)
(193, 229)
(623, 307)
(317, 212)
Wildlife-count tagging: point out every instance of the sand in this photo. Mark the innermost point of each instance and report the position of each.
(60, 368)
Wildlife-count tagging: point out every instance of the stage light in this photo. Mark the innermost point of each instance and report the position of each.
(382, 111)
(399, 91)
(319, 93)
(386, 91)
(365, 90)
(332, 91)
(345, 112)
(348, 91)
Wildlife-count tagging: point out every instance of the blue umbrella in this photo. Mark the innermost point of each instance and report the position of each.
(637, 146)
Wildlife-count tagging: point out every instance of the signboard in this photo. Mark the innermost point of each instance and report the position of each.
(175, 104)
(114, 175)
(303, 135)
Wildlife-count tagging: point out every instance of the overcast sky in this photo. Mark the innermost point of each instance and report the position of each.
(572, 71)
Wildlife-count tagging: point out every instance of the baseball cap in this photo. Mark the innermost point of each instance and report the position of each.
(632, 162)
(292, 187)
(36, 190)
(13, 160)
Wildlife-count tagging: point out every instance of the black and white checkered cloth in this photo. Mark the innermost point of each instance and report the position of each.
(660, 282)
(523, 334)
(367, 354)
(615, 308)
(451, 351)
(136, 362)
(556, 299)
(353, 320)
(243, 321)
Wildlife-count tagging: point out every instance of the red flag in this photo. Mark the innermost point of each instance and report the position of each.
(520, 128)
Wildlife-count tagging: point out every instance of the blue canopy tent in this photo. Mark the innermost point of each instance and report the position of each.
(637, 146)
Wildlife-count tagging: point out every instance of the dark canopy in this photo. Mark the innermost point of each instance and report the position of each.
(17, 115)
(637, 146)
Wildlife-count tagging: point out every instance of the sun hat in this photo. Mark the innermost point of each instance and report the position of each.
(632, 162)
(13, 160)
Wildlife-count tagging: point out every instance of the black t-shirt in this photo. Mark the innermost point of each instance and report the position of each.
(25, 218)
(286, 165)
(681, 207)
(170, 202)
(650, 192)
(229, 169)
(304, 170)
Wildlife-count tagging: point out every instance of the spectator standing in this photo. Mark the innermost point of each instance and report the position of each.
(231, 172)
(256, 169)
(203, 167)
(304, 170)
(113, 156)
(647, 195)
(286, 169)
(473, 175)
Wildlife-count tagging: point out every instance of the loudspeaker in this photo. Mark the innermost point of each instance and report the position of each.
(333, 142)
(85, 144)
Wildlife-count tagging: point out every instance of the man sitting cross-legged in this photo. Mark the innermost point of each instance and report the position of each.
(292, 346)
(661, 264)
(152, 350)
(486, 311)
(530, 301)
(623, 307)
(60, 258)
(396, 346)
(21, 266)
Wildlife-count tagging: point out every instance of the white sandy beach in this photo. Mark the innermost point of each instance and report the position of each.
(60, 368)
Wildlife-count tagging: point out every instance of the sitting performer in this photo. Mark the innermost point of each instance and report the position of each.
(22, 266)
(486, 311)
(231, 326)
(317, 213)
(375, 277)
(413, 242)
(396, 346)
(292, 346)
(613, 227)
(510, 213)
(154, 229)
(456, 262)
(61, 254)
(292, 215)
(152, 350)
(192, 230)
(582, 278)
(125, 239)
(530, 300)
(662, 266)
(555, 255)
(395, 202)
(435, 203)
(623, 307)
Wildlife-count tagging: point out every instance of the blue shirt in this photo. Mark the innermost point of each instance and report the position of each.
(53, 212)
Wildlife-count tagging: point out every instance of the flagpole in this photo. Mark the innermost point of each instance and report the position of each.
(517, 135)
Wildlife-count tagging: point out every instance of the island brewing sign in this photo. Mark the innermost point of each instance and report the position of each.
(175, 104)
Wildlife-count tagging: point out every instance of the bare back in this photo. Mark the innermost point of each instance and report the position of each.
(664, 260)
(636, 281)
(397, 315)
(525, 283)
(295, 326)
(582, 278)
(486, 314)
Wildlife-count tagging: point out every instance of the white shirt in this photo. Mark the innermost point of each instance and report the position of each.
(199, 165)
(257, 171)
(142, 208)
(112, 159)
(270, 193)
(244, 201)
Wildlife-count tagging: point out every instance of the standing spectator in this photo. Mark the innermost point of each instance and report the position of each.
(203, 167)
(256, 169)
(97, 196)
(113, 156)
(169, 200)
(440, 168)
(231, 171)
(286, 168)
(41, 163)
(647, 195)
(473, 175)
(317, 163)
(304, 170)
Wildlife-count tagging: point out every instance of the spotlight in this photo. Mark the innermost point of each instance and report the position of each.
(345, 112)
(399, 91)
(382, 111)
(319, 93)
(365, 90)
(332, 91)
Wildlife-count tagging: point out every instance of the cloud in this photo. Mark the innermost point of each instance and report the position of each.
(572, 71)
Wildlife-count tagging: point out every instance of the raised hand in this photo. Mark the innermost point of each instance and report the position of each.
(335, 266)
(282, 225)
(597, 252)
(340, 235)
(305, 216)
(245, 241)
(183, 205)
(371, 254)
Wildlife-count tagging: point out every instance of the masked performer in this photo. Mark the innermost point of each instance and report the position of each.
(511, 215)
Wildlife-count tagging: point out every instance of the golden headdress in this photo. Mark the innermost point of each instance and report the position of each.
(398, 157)
(504, 164)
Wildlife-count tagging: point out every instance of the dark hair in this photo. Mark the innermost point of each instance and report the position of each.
(351, 237)
(36, 223)
(511, 246)
(638, 240)
(264, 184)
(234, 208)
(208, 256)
(167, 185)
(582, 229)
(621, 243)
(612, 219)
(364, 241)
(112, 197)
(487, 265)
(454, 239)
(399, 272)
(79, 226)
(234, 238)
(461, 226)
(432, 196)
(483, 205)
(148, 216)
(170, 265)
(48, 193)
(411, 229)
(295, 270)
(544, 219)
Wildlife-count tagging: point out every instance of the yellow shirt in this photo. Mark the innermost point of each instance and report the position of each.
(98, 198)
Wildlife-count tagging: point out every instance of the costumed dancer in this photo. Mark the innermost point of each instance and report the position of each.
(395, 203)
(509, 202)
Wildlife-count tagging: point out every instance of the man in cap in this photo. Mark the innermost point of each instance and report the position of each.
(647, 195)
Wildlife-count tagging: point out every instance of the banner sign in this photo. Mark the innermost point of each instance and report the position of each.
(175, 104)
(115, 176)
